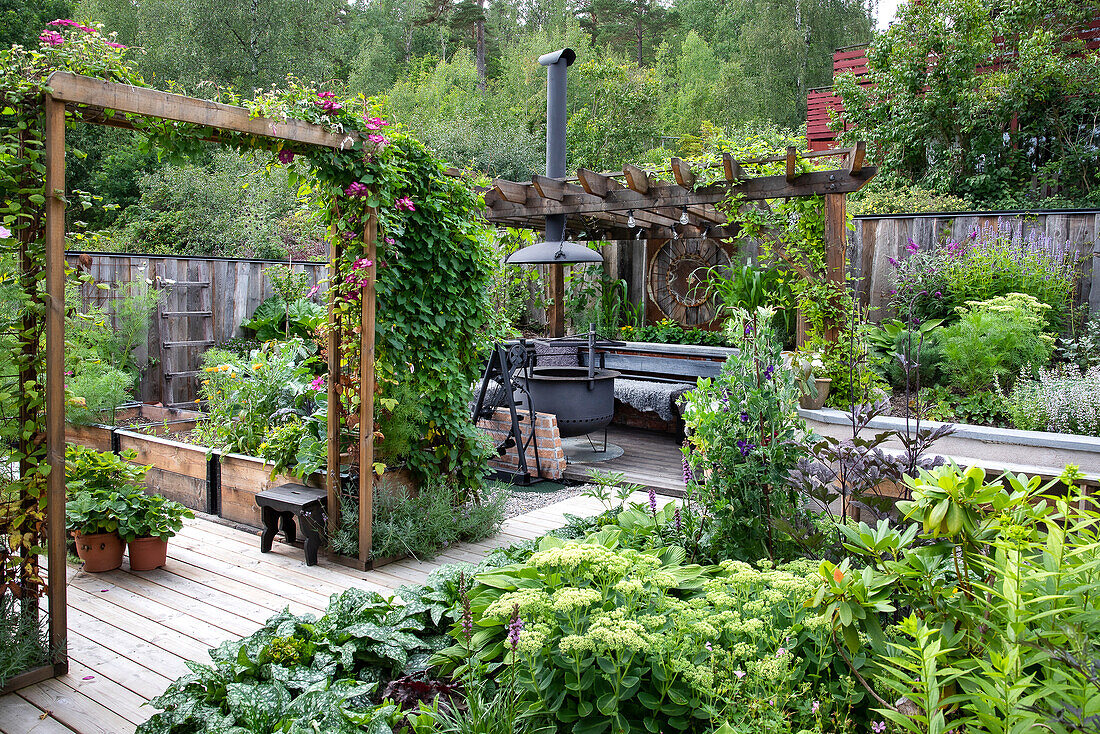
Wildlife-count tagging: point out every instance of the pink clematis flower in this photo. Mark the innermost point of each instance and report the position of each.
(317, 384)
(285, 156)
(51, 38)
(405, 203)
(5, 233)
(356, 189)
(379, 140)
(376, 123)
(313, 291)
(362, 264)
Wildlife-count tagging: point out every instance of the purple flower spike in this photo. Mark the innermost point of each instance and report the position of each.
(652, 500)
(515, 628)
(688, 476)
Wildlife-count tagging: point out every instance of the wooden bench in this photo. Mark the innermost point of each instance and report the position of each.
(281, 505)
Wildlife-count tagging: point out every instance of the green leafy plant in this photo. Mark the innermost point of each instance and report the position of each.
(994, 341)
(743, 425)
(1065, 401)
(613, 639)
(152, 516)
(419, 524)
(302, 674)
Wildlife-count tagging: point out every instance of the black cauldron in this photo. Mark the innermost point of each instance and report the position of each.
(582, 403)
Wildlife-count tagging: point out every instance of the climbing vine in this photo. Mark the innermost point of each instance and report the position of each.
(432, 264)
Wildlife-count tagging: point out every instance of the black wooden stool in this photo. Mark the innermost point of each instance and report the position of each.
(281, 504)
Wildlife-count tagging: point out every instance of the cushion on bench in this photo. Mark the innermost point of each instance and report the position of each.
(648, 396)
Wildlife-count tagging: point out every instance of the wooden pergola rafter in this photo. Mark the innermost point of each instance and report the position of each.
(599, 206)
(126, 106)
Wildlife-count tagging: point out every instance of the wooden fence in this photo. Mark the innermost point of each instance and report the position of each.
(871, 244)
(876, 239)
(202, 302)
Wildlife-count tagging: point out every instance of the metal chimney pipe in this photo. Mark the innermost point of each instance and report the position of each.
(556, 62)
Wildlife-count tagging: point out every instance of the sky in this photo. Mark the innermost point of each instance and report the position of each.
(887, 10)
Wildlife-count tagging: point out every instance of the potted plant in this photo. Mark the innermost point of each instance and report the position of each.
(150, 521)
(102, 487)
(814, 390)
(92, 517)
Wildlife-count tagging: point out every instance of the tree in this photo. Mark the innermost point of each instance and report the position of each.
(984, 101)
(247, 43)
(614, 23)
(22, 20)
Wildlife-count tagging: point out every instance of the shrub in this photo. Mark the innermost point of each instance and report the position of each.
(994, 341)
(989, 586)
(903, 199)
(245, 398)
(990, 262)
(1062, 400)
(743, 427)
(422, 525)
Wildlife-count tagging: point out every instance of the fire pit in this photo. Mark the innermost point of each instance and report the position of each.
(583, 399)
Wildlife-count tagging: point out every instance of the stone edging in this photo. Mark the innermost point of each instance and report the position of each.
(1043, 439)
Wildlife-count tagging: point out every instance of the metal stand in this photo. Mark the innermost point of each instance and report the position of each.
(503, 366)
(598, 451)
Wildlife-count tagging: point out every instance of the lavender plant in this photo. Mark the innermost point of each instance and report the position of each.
(991, 261)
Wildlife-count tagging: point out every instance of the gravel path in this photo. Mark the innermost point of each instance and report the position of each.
(526, 499)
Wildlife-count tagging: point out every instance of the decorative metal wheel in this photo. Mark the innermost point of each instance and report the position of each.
(675, 279)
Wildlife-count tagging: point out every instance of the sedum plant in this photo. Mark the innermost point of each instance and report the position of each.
(612, 639)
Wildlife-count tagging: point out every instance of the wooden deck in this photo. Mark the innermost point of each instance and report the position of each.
(131, 633)
(649, 459)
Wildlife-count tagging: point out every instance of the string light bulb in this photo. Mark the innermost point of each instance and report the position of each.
(683, 215)
(630, 222)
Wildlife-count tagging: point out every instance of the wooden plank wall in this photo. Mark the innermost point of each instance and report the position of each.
(877, 239)
(223, 292)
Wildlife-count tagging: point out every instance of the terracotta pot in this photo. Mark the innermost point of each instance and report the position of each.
(808, 403)
(147, 554)
(100, 551)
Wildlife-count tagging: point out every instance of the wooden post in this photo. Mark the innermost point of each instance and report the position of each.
(55, 378)
(366, 391)
(332, 478)
(836, 244)
(557, 301)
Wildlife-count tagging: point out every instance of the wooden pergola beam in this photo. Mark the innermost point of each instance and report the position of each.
(657, 197)
(732, 168)
(145, 102)
(856, 158)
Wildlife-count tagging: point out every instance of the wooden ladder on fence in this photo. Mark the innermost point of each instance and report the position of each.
(185, 329)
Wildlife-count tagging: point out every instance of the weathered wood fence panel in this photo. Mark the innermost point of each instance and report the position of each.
(876, 239)
(202, 302)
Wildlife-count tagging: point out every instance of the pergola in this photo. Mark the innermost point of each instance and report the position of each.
(642, 206)
(125, 106)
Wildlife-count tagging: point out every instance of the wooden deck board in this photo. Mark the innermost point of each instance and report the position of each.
(131, 633)
(649, 459)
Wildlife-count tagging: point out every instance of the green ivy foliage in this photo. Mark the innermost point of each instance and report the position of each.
(433, 259)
